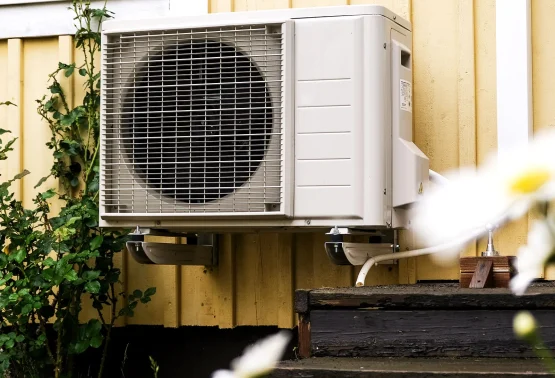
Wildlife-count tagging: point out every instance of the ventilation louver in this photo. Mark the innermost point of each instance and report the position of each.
(193, 121)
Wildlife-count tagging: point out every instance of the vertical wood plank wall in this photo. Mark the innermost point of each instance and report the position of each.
(454, 124)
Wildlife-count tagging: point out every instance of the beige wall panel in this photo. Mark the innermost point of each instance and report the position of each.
(317, 3)
(198, 299)
(4, 97)
(286, 281)
(208, 293)
(14, 114)
(249, 275)
(543, 55)
(263, 279)
(215, 6)
(313, 269)
(37, 158)
(436, 42)
(543, 77)
(165, 305)
(486, 91)
(250, 5)
(226, 282)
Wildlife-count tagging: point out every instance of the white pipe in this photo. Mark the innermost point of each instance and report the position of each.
(417, 252)
(437, 178)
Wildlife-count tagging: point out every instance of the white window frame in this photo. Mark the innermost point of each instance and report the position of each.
(42, 18)
(514, 74)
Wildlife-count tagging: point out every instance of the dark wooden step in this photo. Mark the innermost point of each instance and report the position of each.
(425, 296)
(409, 368)
(420, 321)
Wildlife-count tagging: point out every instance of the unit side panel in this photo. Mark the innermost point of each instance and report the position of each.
(328, 127)
(377, 123)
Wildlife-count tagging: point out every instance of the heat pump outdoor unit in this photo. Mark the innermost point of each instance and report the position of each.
(282, 119)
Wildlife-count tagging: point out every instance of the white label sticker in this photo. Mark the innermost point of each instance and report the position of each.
(406, 95)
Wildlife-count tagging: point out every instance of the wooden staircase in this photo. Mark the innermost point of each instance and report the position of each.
(423, 330)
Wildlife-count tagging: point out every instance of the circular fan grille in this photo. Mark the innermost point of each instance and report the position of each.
(197, 121)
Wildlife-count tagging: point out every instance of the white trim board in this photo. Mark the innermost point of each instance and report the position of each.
(514, 74)
(40, 18)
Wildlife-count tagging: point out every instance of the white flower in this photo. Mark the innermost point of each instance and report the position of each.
(258, 359)
(501, 190)
(532, 257)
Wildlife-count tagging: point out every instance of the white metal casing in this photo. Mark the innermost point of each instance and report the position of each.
(348, 156)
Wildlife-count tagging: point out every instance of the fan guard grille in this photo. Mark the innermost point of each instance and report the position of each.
(193, 121)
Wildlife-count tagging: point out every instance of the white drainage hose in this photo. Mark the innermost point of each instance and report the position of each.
(417, 252)
(435, 178)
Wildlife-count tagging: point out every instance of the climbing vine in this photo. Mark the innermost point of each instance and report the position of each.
(56, 265)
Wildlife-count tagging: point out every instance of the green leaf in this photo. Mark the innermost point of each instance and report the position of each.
(48, 194)
(10, 343)
(83, 72)
(55, 88)
(42, 181)
(19, 176)
(113, 275)
(69, 70)
(7, 103)
(49, 261)
(93, 327)
(3, 262)
(27, 309)
(2, 131)
(49, 105)
(145, 299)
(90, 275)
(93, 186)
(19, 255)
(19, 338)
(80, 346)
(97, 242)
(92, 287)
(96, 341)
(137, 294)
(67, 119)
(71, 275)
(72, 220)
(150, 291)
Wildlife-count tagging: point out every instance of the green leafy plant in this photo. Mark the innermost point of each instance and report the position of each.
(51, 262)
(154, 366)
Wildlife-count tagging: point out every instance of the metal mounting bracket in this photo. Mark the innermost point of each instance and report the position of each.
(200, 249)
(345, 253)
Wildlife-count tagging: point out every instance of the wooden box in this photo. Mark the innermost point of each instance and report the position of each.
(503, 269)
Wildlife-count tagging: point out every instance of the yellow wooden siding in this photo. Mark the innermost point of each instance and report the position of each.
(454, 124)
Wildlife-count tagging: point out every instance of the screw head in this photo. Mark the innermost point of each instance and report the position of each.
(308, 222)
(385, 45)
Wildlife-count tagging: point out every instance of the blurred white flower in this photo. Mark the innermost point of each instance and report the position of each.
(532, 257)
(258, 359)
(501, 190)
